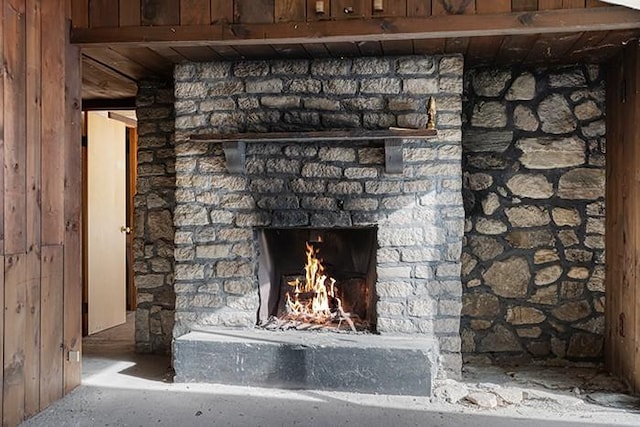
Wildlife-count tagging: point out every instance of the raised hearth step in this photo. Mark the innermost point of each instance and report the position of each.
(398, 365)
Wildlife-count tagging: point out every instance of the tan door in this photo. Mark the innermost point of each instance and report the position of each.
(106, 216)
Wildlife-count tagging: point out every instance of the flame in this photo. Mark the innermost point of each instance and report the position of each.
(311, 299)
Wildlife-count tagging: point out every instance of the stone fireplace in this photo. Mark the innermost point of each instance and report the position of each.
(393, 239)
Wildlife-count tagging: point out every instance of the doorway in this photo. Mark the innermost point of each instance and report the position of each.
(109, 160)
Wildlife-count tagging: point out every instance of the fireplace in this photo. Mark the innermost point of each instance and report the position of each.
(391, 238)
(317, 279)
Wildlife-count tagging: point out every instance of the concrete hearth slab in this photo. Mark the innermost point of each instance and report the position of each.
(307, 360)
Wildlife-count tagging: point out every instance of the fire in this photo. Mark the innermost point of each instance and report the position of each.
(312, 300)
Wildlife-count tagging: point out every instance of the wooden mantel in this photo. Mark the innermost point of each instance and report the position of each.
(234, 144)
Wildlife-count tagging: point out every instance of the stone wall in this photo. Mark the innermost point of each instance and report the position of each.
(533, 261)
(153, 228)
(419, 213)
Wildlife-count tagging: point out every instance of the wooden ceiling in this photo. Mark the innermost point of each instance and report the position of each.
(115, 58)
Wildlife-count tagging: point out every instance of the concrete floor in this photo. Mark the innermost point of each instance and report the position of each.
(121, 388)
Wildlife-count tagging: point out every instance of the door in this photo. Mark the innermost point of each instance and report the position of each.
(106, 219)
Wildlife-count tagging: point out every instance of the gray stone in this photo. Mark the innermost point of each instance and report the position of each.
(587, 111)
(547, 295)
(580, 273)
(552, 153)
(280, 102)
(596, 282)
(582, 184)
(484, 247)
(451, 392)
(426, 65)
(574, 78)
(483, 399)
(530, 186)
(523, 88)
(533, 332)
(264, 86)
(370, 66)
(543, 256)
(251, 69)
(595, 325)
(160, 225)
(571, 290)
(527, 216)
(490, 204)
(566, 217)
(452, 65)
(490, 83)
(479, 181)
(568, 238)
(578, 255)
(572, 311)
(490, 226)
(556, 115)
(383, 85)
(486, 141)
(548, 275)
(584, 346)
(525, 316)
(489, 115)
(509, 278)
(340, 87)
(499, 339)
(530, 239)
(422, 86)
(191, 215)
(595, 129)
(508, 395)
(480, 305)
(525, 119)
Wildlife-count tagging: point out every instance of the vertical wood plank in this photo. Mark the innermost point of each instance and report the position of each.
(290, 10)
(51, 325)
(360, 8)
(549, 4)
(52, 127)
(15, 301)
(312, 15)
(495, 6)
(253, 11)
(195, 12)
(15, 127)
(129, 13)
(573, 4)
(2, 33)
(103, 13)
(596, 3)
(524, 5)
(419, 7)
(221, 11)
(33, 159)
(160, 12)
(80, 13)
(73, 218)
(453, 7)
(391, 8)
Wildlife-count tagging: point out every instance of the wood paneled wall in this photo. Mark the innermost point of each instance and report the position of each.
(124, 13)
(40, 201)
(623, 217)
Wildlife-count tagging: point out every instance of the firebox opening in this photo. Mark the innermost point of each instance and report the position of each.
(317, 278)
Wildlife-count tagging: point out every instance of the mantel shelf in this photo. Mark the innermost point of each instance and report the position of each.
(234, 144)
(327, 135)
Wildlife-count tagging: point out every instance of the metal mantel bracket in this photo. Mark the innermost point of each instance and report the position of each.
(235, 155)
(393, 161)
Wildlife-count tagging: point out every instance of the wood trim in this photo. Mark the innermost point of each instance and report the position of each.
(128, 121)
(329, 135)
(552, 21)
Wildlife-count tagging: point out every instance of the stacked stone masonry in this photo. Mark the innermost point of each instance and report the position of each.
(154, 205)
(419, 213)
(533, 260)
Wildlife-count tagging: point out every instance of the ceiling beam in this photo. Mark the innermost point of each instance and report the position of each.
(522, 23)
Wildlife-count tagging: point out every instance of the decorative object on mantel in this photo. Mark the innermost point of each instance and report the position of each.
(234, 144)
(431, 113)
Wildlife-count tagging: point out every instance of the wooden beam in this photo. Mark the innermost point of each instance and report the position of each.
(551, 21)
(128, 121)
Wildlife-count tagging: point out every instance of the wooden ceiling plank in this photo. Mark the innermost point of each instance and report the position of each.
(456, 45)
(494, 6)
(197, 53)
(226, 52)
(347, 49)
(147, 58)
(419, 7)
(169, 53)
(290, 10)
(571, 4)
(160, 12)
(549, 22)
(397, 47)
(454, 7)
(514, 49)
(221, 11)
(429, 46)
(316, 50)
(116, 61)
(524, 5)
(103, 14)
(99, 81)
(256, 51)
(586, 42)
(483, 50)
(551, 47)
(549, 4)
(292, 51)
(370, 48)
(253, 11)
(130, 13)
